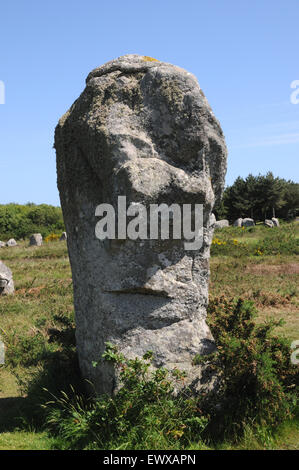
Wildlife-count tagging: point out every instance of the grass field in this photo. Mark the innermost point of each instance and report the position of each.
(37, 323)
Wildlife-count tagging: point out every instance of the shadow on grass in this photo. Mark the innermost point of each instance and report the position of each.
(10, 412)
(57, 371)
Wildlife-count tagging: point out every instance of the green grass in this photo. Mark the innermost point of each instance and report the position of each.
(21, 440)
(37, 325)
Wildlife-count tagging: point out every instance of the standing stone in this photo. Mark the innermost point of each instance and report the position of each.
(212, 220)
(63, 236)
(221, 223)
(238, 222)
(6, 280)
(11, 242)
(141, 129)
(269, 223)
(248, 222)
(36, 240)
(275, 222)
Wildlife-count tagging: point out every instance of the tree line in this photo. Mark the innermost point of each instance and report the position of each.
(259, 197)
(20, 221)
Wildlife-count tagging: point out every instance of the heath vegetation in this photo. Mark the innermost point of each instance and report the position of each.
(43, 403)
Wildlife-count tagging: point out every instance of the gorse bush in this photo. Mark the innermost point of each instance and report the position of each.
(52, 237)
(282, 240)
(257, 381)
(225, 246)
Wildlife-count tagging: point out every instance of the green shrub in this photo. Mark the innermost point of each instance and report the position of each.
(52, 237)
(43, 358)
(256, 389)
(257, 382)
(144, 414)
(229, 247)
(256, 241)
(20, 221)
(25, 350)
(281, 241)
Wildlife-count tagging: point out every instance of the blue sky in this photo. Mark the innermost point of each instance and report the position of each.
(244, 54)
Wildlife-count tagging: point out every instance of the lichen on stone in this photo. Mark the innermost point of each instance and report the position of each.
(149, 59)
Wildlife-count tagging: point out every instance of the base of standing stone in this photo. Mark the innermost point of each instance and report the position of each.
(6, 280)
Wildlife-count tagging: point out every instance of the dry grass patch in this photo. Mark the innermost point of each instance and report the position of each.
(265, 269)
(290, 316)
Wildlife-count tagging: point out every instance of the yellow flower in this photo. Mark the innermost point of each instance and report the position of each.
(51, 237)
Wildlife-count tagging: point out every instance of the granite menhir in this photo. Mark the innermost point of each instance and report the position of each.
(141, 129)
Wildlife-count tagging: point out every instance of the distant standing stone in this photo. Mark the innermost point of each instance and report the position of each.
(238, 222)
(269, 223)
(11, 242)
(212, 220)
(221, 223)
(63, 236)
(36, 240)
(6, 281)
(248, 222)
(275, 222)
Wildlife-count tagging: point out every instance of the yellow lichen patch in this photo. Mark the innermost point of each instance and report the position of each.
(149, 59)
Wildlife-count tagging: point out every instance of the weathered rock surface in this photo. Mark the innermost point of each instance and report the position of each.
(2, 244)
(248, 222)
(143, 129)
(36, 240)
(6, 280)
(221, 223)
(275, 222)
(11, 242)
(63, 236)
(238, 222)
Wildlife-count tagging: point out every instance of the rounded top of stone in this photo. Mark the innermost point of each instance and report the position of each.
(131, 63)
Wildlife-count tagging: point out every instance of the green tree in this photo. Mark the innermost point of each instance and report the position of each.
(271, 195)
(291, 198)
(20, 221)
(259, 197)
